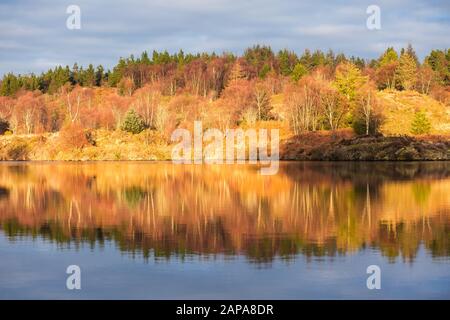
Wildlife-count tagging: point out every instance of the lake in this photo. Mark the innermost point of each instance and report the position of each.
(157, 230)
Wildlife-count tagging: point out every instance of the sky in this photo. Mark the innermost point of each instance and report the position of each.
(34, 35)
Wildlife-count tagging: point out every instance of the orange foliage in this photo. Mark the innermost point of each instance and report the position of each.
(72, 136)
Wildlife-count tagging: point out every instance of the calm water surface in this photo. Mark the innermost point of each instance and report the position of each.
(161, 231)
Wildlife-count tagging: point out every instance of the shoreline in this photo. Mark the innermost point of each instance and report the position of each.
(305, 147)
(377, 148)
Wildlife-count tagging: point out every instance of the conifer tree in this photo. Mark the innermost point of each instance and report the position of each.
(9, 85)
(406, 72)
(133, 122)
(420, 124)
(237, 72)
(298, 72)
(410, 50)
(389, 56)
(348, 79)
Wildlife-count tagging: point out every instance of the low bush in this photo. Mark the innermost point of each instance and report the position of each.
(73, 136)
(17, 149)
(4, 126)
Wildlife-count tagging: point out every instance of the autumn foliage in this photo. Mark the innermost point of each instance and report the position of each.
(319, 91)
(73, 136)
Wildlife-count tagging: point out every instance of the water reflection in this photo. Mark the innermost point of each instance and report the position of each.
(159, 209)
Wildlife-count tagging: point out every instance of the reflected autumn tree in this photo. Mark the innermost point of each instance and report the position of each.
(162, 210)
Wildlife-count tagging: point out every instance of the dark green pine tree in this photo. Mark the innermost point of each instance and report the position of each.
(58, 78)
(9, 85)
(116, 75)
(317, 58)
(89, 76)
(180, 58)
(145, 59)
(75, 74)
(31, 82)
(306, 59)
(437, 60)
(286, 62)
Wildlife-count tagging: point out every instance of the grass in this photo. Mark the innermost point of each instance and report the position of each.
(400, 108)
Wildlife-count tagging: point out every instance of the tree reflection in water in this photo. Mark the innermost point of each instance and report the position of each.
(161, 210)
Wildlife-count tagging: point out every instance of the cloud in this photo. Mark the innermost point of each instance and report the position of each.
(34, 31)
(330, 30)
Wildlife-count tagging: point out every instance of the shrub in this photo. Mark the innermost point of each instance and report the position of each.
(17, 149)
(4, 126)
(133, 122)
(73, 136)
(420, 123)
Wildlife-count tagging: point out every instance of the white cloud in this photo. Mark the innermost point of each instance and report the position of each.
(329, 30)
(34, 30)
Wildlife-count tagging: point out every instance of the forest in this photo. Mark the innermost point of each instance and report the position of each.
(151, 95)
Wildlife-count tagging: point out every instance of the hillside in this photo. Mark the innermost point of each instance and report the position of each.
(399, 108)
(397, 142)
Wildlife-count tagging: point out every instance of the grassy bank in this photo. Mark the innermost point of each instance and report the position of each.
(320, 145)
(105, 145)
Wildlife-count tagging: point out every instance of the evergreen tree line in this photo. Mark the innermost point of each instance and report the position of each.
(204, 73)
